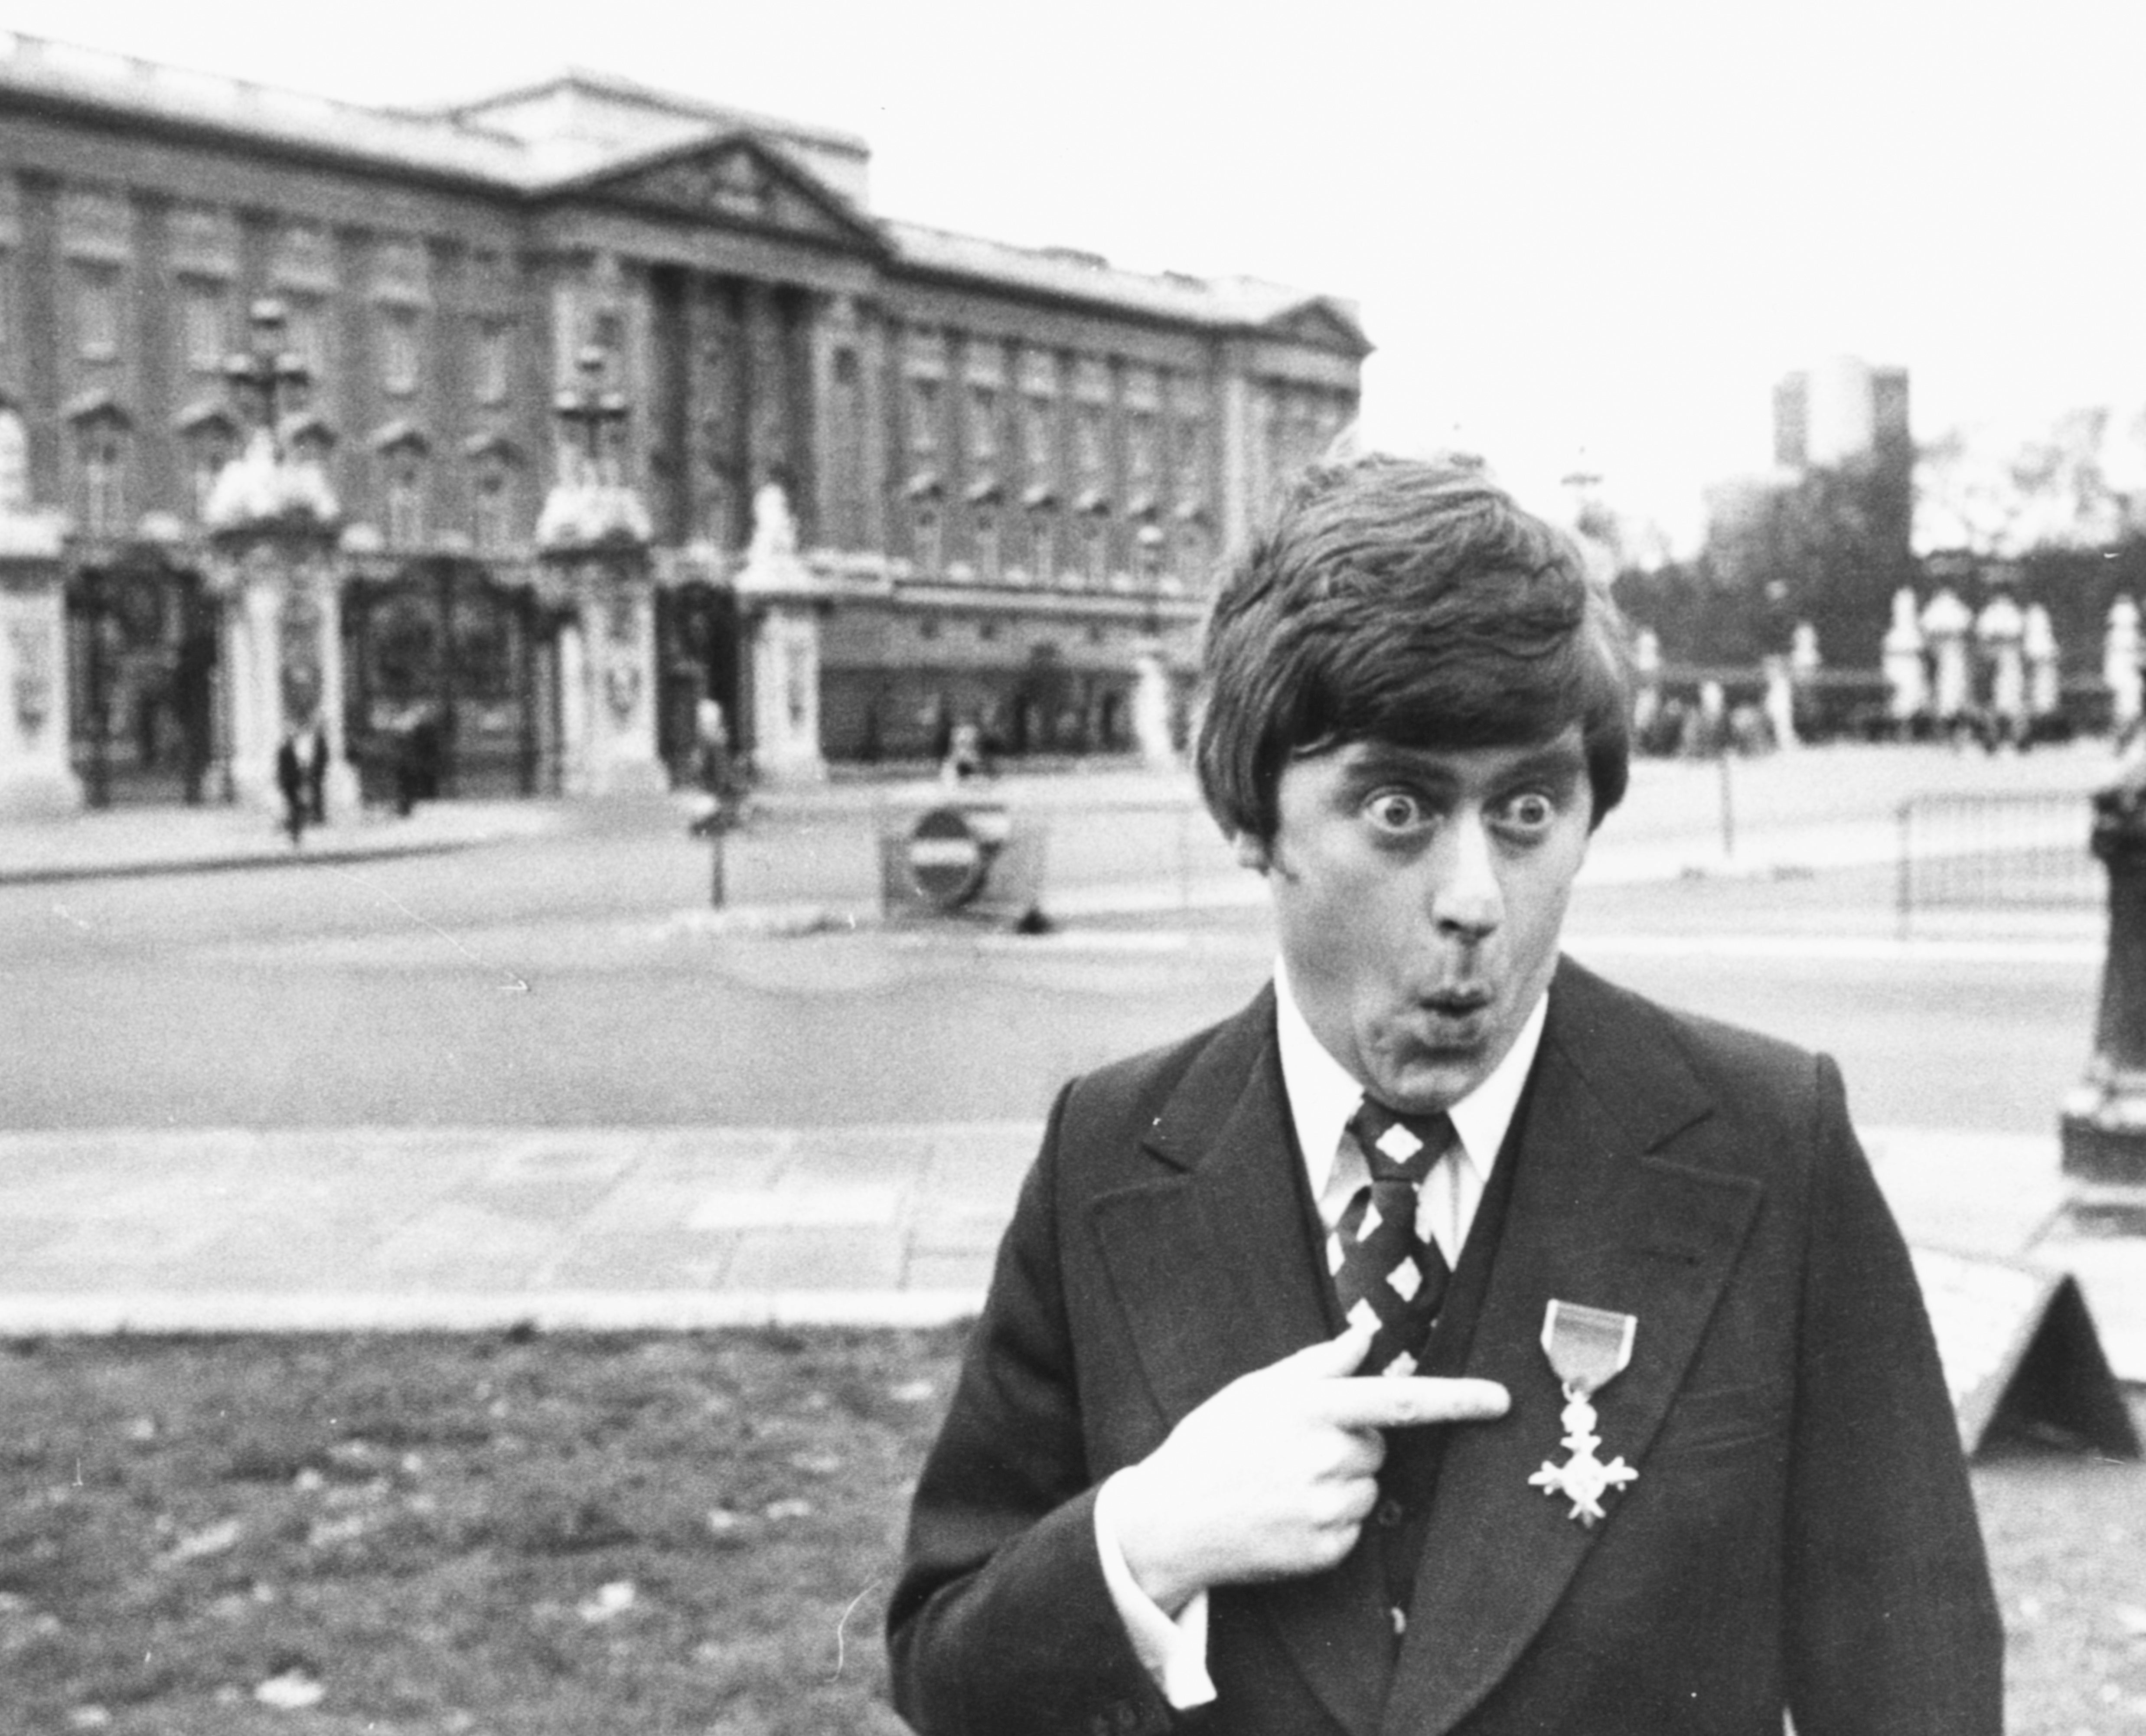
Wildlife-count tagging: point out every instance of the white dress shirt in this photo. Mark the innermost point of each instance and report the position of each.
(1323, 1095)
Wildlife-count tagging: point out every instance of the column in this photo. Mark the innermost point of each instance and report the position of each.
(36, 775)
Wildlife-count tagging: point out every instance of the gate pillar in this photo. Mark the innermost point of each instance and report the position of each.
(36, 777)
(282, 625)
(607, 667)
(782, 602)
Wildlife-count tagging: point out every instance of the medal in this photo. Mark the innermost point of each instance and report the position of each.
(1587, 1348)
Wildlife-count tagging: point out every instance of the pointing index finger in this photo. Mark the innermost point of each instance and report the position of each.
(1404, 1400)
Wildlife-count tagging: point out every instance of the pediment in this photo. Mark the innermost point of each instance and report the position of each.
(736, 182)
(1321, 323)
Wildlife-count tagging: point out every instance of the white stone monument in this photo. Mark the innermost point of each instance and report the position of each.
(1907, 681)
(2119, 667)
(1998, 631)
(782, 600)
(2044, 667)
(1946, 623)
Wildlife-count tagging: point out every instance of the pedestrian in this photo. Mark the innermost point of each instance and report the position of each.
(302, 763)
(716, 774)
(416, 759)
(1661, 1442)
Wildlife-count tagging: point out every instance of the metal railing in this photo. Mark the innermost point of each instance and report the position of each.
(2008, 852)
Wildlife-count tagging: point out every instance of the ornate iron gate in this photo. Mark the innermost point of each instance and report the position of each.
(141, 647)
(443, 656)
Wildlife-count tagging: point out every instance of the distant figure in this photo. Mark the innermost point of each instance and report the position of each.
(1779, 706)
(302, 766)
(1646, 687)
(416, 759)
(965, 753)
(716, 772)
(1907, 681)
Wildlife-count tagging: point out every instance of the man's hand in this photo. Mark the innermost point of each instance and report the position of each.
(1275, 1475)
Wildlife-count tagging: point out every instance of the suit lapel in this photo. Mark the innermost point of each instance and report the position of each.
(1214, 1267)
(1594, 1219)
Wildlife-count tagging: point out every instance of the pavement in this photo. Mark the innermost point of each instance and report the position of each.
(146, 1230)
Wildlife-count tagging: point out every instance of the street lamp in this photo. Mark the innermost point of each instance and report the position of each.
(266, 370)
(588, 410)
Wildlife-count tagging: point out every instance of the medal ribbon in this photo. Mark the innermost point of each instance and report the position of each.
(1587, 1347)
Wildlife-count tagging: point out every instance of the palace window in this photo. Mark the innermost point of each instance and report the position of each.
(1096, 553)
(1039, 449)
(495, 360)
(923, 417)
(405, 501)
(926, 539)
(1091, 453)
(1043, 547)
(96, 316)
(103, 481)
(306, 335)
(14, 463)
(989, 563)
(400, 363)
(493, 506)
(204, 327)
(983, 425)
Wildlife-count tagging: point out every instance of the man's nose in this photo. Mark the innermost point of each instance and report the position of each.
(1466, 899)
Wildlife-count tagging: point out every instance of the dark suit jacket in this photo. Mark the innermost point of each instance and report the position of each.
(1801, 1534)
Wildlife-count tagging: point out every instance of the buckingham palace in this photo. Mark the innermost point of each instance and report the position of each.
(538, 422)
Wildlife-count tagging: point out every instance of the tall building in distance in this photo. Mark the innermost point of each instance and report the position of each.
(883, 478)
(1840, 412)
(1825, 537)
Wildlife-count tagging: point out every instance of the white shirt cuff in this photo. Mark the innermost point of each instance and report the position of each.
(1173, 1652)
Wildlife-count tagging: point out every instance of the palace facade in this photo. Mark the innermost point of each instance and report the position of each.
(540, 420)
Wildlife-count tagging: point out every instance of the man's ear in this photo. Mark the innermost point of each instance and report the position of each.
(1251, 852)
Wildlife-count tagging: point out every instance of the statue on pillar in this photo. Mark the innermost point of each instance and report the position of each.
(2044, 669)
(1998, 630)
(1907, 681)
(2120, 668)
(1946, 622)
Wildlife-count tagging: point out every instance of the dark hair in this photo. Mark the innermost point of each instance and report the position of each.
(1410, 603)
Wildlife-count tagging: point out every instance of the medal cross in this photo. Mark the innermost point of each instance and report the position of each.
(1583, 1479)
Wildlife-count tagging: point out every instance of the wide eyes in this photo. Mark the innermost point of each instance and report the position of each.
(1399, 812)
(1395, 811)
(1530, 812)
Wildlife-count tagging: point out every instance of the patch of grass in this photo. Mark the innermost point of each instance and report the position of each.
(525, 1536)
(554, 1536)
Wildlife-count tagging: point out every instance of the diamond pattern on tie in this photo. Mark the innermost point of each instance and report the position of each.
(1385, 1275)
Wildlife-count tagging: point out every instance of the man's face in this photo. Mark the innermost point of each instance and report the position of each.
(1420, 893)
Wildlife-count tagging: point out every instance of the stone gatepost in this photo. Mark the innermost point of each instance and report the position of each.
(272, 526)
(593, 540)
(780, 602)
(37, 777)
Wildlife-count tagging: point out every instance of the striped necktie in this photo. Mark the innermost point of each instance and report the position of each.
(1384, 1273)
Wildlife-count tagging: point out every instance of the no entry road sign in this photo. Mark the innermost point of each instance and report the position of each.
(951, 851)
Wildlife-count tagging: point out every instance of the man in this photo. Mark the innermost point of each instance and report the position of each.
(1661, 1444)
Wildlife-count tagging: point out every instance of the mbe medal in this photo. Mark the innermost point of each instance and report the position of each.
(1587, 1348)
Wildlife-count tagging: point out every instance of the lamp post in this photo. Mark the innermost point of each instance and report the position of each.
(588, 412)
(266, 371)
(592, 540)
(272, 524)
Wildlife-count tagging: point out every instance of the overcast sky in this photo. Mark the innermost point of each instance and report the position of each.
(1582, 235)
